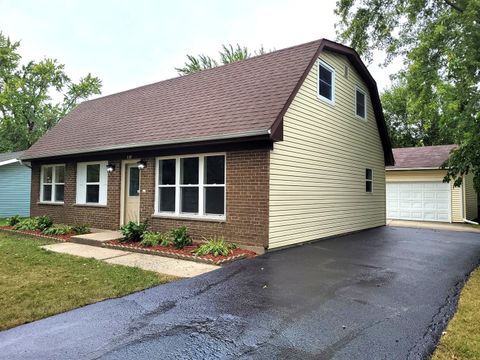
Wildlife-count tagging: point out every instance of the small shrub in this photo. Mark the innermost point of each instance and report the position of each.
(58, 230)
(133, 231)
(151, 238)
(13, 220)
(215, 246)
(44, 222)
(27, 224)
(80, 229)
(180, 237)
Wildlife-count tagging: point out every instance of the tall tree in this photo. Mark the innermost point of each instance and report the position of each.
(438, 40)
(228, 54)
(27, 93)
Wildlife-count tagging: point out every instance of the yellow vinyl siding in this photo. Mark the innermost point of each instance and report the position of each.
(317, 173)
(471, 207)
(430, 175)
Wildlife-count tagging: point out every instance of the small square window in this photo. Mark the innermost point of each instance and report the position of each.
(361, 104)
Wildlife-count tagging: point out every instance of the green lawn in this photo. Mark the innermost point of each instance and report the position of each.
(462, 338)
(35, 283)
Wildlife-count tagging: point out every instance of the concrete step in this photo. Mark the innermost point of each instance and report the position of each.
(97, 237)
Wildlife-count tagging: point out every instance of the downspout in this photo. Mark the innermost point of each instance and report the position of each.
(25, 164)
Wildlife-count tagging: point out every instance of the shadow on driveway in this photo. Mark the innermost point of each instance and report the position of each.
(384, 293)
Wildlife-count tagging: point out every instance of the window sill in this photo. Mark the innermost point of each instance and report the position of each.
(50, 203)
(192, 217)
(326, 100)
(91, 205)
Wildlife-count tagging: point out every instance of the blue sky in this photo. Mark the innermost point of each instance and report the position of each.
(132, 43)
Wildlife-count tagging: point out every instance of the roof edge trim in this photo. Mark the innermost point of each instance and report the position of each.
(7, 162)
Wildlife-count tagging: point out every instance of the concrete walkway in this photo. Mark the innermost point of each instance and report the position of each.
(160, 264)
(434, 225)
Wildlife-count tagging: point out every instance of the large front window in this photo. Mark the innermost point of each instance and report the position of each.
(52, 185)
(92, 183)
(191, 186)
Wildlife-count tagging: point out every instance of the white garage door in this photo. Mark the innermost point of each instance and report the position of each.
(427, 201)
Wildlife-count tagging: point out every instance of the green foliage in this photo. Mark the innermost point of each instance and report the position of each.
(438, 42)
(80, 229)
(215, 246)
(133, 231)
(151, 238)
(229, 54)
(44, 222)
(58, 230)
(13, 220)
(180, 237)
(27, 224)
(27, 108)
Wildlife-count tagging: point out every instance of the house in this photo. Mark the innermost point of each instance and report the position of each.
(416, 191)
(275, 150)
(15, 180)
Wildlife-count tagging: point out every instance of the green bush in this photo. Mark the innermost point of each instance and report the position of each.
(13, 220)
(80, 229)
(215, 246)
(57, 230)
(151, 238)
(133, 231)
(44, 222)
(27, 224)
(180, 237)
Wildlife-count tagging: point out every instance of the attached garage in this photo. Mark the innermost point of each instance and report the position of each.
(415, 189)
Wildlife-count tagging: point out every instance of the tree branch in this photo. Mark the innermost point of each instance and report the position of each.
(455, 6)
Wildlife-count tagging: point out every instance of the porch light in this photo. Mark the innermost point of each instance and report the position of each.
(110, 168)
(142, 164)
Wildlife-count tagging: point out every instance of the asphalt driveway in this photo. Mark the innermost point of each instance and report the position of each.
(384, 293)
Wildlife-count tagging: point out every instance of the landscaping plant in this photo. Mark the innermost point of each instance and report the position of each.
(133, 231)
(152, 238)
(13, 220)
(180, 237)
(215, 246)
(58, 230)
(27, 224)
(44, 222)
(80, 229)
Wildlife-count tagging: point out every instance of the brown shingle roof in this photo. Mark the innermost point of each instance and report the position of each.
(427, 157)
(246, 98)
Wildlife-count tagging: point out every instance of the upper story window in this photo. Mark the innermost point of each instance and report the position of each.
(368, 180)
(52, 184)
(326, 82)
(361, 103)
(191, 186)
(92, 183)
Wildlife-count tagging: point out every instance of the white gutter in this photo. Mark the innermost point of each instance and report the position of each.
(7, 162)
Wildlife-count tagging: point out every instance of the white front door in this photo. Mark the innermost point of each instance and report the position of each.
(424, 201)
(132, 193)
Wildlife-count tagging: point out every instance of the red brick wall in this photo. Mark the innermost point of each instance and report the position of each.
(105, 217)
(247, 191)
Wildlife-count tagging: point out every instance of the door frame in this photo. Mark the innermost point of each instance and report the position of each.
(123, 184)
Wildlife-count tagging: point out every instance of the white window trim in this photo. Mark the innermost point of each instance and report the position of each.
(368, 180)
(201, 188)
(330, 68)
(103, 188)
(53, 183)
(359, 89)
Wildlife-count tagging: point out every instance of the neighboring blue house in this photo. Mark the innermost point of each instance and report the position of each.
(15, 181)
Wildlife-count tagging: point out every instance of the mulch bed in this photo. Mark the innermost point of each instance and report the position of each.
(37, 233)
(184, 254)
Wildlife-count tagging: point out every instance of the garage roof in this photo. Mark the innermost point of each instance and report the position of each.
(426, 157)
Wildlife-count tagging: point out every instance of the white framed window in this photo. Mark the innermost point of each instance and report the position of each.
(361, 103)
(368, 180)
(326, 82)
(191, 185)
(52, 183)
(92, 183)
